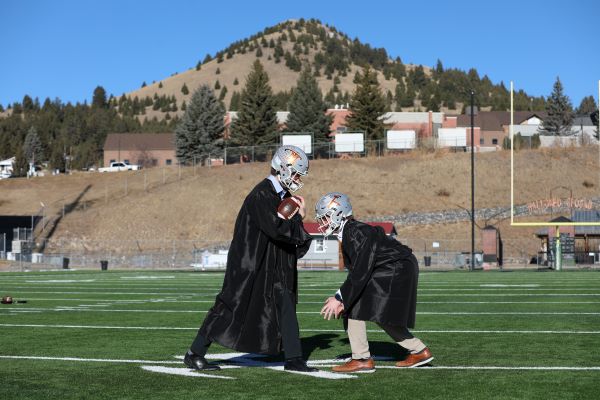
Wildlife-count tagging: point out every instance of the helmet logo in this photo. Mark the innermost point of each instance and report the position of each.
(334, 201)
(292, 157)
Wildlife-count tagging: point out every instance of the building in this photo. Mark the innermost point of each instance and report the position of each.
(6, 168)
(327, 252)
(145, 149)
(580, 244)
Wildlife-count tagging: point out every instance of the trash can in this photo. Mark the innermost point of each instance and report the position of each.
(104, 265)
(65, 262)
(427, 261)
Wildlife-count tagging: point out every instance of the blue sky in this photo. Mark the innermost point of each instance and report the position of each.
(66, 48)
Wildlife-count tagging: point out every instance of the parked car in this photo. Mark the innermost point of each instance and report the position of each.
(119, 166)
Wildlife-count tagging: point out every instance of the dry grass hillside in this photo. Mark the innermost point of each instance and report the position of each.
(200, 204)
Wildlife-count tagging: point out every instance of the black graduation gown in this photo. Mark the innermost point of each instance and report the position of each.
(264, 251)
(381, 285)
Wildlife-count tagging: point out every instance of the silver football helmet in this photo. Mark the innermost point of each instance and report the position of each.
(291, 164)
(331, 210)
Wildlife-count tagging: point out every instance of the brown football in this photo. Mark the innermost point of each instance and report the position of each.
(7, 300)
(287, 208)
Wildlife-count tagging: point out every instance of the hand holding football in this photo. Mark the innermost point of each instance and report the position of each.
(288, 208)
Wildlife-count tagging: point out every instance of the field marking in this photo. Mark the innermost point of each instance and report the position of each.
(139, 301)
(182, 372)
(85, 309)
(317, 363)
(210, 290)
(104, 293)
(175, 328)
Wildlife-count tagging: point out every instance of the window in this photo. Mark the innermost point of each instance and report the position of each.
(126, 161)
(319, 246)
(494, 141)
(112, 161)
(169, 161)
(481, 140)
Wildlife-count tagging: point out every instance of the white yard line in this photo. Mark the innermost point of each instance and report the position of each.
(318, 363)
(105, 293)
(85, 309)
(138, 301)
(167, 328)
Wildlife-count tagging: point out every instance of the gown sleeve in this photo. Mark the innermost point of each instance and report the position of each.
(263, 210)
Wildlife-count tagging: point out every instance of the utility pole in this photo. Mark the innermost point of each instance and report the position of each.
(472, 265)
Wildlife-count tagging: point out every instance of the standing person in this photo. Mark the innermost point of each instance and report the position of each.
(255, 311)
(381, 285)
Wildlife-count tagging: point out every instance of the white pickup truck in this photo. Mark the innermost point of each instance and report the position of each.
(119, 166)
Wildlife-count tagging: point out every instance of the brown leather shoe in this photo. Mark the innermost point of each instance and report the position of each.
(415, 360)
(353, 365)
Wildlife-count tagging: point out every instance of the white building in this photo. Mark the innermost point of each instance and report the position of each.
(327, 252)
(6, 168)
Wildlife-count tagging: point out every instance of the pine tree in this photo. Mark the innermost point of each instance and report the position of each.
(217, 85)
(160, 85)
(367, 106)
(223, 93)
(259, 52)
(236, 82)
(234, 103)
(185, 90)
(144, 84)
(99, 98)
(218, 71)
(199, 66)
(587, 106)
(257, 121)
(307, 109)
(21, 166)
(560, 113)
(200, 131)
(32, 147)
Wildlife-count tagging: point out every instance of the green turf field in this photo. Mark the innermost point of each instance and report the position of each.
(119, 335)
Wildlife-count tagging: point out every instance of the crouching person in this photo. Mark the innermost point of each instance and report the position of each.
(381, 285)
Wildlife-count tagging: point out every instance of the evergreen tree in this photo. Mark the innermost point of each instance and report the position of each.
(223, 93)
(160, 85)
(184, 89)
(560, 113)
(200, 131)
(217, 85)
(21, 166)
(587, 106)
(218, 71)
(234, 103)
(99, 98)
(144, 84)
(32, 147)
(307, 109)
(367, 106)
(199, 66)
(259, 52)
(257, 121)
(236, 82)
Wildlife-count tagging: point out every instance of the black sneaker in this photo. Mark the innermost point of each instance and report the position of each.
(298, 364)
(199, 363)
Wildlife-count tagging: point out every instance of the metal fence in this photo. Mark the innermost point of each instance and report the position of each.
(432, 253)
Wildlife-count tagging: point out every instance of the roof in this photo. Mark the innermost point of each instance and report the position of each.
(583, 121)
(388, 227)
(579, 216)
(282, 116)
(139, 141)
(412, 117)
(495, 120)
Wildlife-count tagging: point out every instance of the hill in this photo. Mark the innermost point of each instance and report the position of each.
(191, 207)
(334, 58)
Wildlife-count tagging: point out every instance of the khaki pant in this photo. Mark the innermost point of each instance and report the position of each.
(357, 333)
